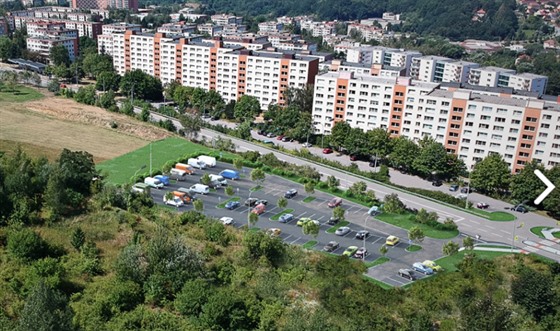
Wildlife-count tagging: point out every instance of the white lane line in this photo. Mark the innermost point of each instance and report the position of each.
(287, 237)
(357, 211)
(504, 231)
(300, 215)
(295, 240)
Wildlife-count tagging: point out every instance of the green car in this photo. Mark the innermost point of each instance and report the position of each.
(350, 251)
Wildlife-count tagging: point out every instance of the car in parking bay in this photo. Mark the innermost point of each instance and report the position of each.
(333, 220)
(331, 246)
(417, 266)
(287, 139)
(482, 205)
(290, 193)
(232, 205)
(302, 221)
(392, 241)
(227, 220)
(350, 251)
(406, 273)
(362, 234)
(432, 265)
(335, 202)
(327, 150)
(263, 201)
(274, 232)
(342, 231)
(454, 188)
(361, 253)
(251, 202)
(285, 218)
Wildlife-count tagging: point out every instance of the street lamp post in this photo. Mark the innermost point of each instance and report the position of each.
(365, 250)
(249, 211)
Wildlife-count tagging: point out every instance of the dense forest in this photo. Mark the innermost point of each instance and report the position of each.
(80, 254)
(448, 18)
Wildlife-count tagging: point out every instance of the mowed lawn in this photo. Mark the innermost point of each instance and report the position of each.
(121, 169)
(20, 94)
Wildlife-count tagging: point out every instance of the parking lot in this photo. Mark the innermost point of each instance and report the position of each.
(273, 188)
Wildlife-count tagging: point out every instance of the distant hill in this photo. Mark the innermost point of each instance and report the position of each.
(449, 18)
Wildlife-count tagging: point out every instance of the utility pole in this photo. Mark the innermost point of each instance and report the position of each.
(150, 159)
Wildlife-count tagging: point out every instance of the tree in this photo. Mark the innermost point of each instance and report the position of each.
(491, 175)
(552, 201)
(107, 80)
(94, 64)
(6, 47)
(355, 141)
(238, 164)
(45, 309)
(416, 234)
(229, 191)
(78, 238)
(182, 95)
(338, 212)
(357, 189)
(450, 248)
(378, 142)
(86, 95)
(311, 229)
(138, 84)
(534, 290)
(339, 132)
(253, 218)
(191, 124)
(198, 205)
(9, 79)
(432, 159)
(300, 98)
(58, 55)
(282, 202)
(309, 187)
(193, 297)
(525, 186)
(258, 175)
(243, 130)
(392, 204)
(107, 100)
(333, 182)
(383, 250)
(468, 243)
(25, 244)
(54, 85)
(205, 179)
(246, 109)
(403, 153)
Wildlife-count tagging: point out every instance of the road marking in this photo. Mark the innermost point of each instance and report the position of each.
(322, 202)
(357, 211)
(504, 231)
(287, 237)
(295, 240)
(300, 215)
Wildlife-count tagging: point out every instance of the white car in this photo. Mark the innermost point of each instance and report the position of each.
(175, 202)
(227, 220)
(306, 144)
(200, 189)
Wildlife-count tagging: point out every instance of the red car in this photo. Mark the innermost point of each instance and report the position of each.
(482, 205)
(353, 157)
(327, 150)
(280, 137)
(335, 202)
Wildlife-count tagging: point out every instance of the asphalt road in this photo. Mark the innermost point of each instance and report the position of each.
(275, 187)
(515, 232)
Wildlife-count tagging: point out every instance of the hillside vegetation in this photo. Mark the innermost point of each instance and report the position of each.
(80, 254)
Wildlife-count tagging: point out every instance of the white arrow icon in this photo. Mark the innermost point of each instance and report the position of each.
(549, 187)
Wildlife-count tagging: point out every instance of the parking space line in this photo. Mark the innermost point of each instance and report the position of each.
(291, 243)
(287, 237)
(300, 215)
(376, 240)
(357, 211)
(322, 202)
(397, 281)
(311, 216)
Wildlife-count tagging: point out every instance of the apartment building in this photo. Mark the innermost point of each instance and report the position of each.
(179, 28)
(43, 45)
(87, 29)
(4, 27)
(367, 32)
(105, 4)
(500, 77)
(470, 123)
(232, 70)
(232, 29)
(210, 29)
(253, 43)
(120, 27)
(270, 27)
(441, 69)
(225, 19)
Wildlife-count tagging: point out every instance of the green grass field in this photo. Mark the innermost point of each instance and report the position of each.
(496, 216)
(121, 169)
(277, 216)
(413, 248)
(404, 221)
(378, 261)
(449, 263)
(21, 94)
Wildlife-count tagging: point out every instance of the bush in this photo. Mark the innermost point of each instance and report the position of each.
(437, 195)
(393, 205)
(26, 244)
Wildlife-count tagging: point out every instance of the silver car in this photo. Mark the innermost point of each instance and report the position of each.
(342, 231)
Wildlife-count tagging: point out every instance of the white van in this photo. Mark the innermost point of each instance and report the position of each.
(178, 174)
(219, 179)
(195, 163)
(208, 160)
(153, 182)
(200, 189)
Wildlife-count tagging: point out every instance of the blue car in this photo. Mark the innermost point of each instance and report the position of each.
(163, 179)
(232, 205)
(422, 268)
(286, 218)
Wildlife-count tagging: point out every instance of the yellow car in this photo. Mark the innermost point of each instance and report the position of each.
(391, 241)
(273, 232)
(432, 265)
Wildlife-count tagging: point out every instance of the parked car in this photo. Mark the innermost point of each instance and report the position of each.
(210, 161)
(163, 179)
(200, 189)
(422, 268)
(306, 145)
(372, 164)
(195, 163)
(232, 205)
(178, 174)
(264, 202)
(374, 210)
(227, 220)
(230, 174)
(327, 150)
(268, 142)
(461, 196)
(186, 198)
(437, 183)
(361, 253)
(466, 190)
(350, 251)
(302, 221)
(274, 232)
(362, 234)
(271, 135)
(153, 182)
(287, 139)
(335, 202)
(406, 273)
(331, 246)
(280, 137)
(333, 220)
(251, 202)
(432, 265)
(184, 167)
(520, 208)
(219, 178)
(286, 218)
(453, 188)
(482, 205)
(392, 241)
(175, 201)
(259, 209)
(290, 193)
(261, 133)
(353, 157)
(342, 231)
